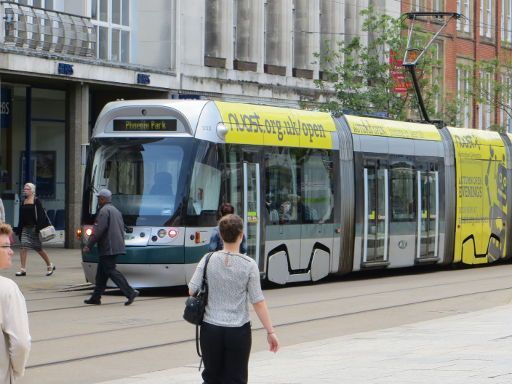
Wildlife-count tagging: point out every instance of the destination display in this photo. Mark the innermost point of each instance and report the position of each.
(156, 125)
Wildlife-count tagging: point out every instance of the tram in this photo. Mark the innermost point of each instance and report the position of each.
(318, 195)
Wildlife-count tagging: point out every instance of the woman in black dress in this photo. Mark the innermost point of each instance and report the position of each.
(32, 218)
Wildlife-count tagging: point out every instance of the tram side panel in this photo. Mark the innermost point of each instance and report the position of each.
(481, 170)
(399, 181)
(343, 247)
(507, 139)
(297, 154)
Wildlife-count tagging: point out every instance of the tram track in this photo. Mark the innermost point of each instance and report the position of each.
(277, 325)
(143, 299)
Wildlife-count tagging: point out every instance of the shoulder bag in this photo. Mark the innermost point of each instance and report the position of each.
(196, 305)
(47, 233)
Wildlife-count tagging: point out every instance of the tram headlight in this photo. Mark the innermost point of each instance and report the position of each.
(162, 233)
(222, 131)
(88, 232)
(173, 233)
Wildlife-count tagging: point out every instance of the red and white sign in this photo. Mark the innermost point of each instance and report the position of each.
(398, 74)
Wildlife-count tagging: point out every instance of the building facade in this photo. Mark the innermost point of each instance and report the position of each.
(62, 61)
(483, 34)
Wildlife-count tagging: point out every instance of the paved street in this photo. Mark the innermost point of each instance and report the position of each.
(464, 349)
(428, 326)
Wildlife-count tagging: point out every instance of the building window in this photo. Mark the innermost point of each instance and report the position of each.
(506, 101)
(427, 5)
(463, 97)
(111, 19)
(417, 5)
(437, 79)
(486, 24)
(464, 8)
(46, 4)
(506, 21)
(438, 5)
(484, 111)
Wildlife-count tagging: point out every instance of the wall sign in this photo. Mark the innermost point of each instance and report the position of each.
(65, 69)
(143, 78)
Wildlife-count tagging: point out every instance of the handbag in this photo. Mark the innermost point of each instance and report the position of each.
(195, 305)
(47, 233)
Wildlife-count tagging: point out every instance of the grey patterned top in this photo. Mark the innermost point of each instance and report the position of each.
(233, 282)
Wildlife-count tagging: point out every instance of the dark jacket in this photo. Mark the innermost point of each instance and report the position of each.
(108, 231)
(42, 220)
(216, 243)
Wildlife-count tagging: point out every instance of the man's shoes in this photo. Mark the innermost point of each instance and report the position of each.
(21, 272)
(92, 301)
(132, 297)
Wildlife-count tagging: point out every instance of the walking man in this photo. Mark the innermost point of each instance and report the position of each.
(108, 233)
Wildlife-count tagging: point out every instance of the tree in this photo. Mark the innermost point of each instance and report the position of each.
(489, 84)
(361, 77)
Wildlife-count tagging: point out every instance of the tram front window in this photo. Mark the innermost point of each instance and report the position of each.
(146, 178)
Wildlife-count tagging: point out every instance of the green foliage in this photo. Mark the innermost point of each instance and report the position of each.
(358, 75)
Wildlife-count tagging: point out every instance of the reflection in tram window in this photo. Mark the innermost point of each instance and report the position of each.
(282, 188)
(403, 192)
(318, 187)
(205, 183)
(144, 179)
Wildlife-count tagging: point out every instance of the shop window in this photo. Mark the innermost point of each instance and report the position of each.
(111, 19)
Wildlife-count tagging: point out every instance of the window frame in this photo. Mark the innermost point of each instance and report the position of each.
(506, 22)
(485, 108)
(110, 26)
(463, 84)
(486, 19)
(403, 164)
(464, 7)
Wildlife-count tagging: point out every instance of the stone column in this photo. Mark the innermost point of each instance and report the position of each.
(77, 134)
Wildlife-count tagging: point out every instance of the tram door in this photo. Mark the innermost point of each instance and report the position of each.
(428, 214)
(241, 180)
(376, 214)
(251, 208)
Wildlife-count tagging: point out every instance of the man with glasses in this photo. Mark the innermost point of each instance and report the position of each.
(15, 343)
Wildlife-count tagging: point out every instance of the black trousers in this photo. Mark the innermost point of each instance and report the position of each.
(107, 269)
(226, 353)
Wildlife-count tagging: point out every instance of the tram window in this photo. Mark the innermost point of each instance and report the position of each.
(403, 192)
(144, 177)
(317, 181)
(205, 183)
(282, 192)
(232, 177)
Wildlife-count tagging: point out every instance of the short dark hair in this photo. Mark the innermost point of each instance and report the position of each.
(230, 227)
(226, 209)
